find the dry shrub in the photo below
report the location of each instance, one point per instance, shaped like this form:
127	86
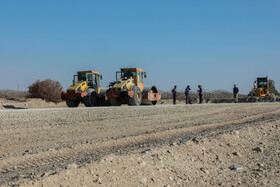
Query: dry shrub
49	90
220	94
272	87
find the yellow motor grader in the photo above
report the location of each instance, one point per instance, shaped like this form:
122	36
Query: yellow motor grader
129	89
85	89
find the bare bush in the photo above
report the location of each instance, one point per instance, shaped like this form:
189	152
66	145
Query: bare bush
49	90
272	87
220	94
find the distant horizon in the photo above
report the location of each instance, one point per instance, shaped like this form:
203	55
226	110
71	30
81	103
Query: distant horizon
171	87
165	91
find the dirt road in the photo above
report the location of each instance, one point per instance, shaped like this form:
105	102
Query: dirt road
36	142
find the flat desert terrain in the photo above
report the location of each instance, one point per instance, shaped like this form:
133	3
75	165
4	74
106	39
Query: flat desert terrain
162	145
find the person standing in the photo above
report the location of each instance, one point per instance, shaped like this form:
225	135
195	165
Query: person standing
174	92
200	93
235	93
187	93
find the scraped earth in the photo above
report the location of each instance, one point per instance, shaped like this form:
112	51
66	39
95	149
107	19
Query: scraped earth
26	103
165	145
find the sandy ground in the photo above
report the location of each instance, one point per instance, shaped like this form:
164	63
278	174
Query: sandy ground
164	145
23	103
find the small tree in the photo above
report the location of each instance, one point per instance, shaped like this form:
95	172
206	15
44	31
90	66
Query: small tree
49	90
272	87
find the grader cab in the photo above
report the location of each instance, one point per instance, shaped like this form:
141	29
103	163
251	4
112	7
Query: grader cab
261	86
129	89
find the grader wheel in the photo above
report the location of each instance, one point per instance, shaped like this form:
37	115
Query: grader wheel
72	103
91	99
136	100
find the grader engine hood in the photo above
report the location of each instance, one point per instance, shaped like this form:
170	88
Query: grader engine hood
78	90
77	87
123	85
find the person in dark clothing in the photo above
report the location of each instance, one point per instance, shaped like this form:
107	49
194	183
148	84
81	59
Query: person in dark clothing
187	93
200	93
235	93
174	92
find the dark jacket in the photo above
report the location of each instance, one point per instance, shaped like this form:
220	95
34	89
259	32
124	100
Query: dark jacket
174	92
187	91
200	91
235	90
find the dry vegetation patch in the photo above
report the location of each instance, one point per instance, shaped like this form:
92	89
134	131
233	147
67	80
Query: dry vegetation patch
14	95
49	90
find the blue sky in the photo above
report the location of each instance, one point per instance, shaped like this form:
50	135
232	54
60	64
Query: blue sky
214	43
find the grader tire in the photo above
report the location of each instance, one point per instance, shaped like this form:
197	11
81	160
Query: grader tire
90	100
72	103
114	102
136	100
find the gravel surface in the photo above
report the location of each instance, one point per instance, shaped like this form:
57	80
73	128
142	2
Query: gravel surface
147	145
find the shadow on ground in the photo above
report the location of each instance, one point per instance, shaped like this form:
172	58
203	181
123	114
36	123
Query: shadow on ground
12	107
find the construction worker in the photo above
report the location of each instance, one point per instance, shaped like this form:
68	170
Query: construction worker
235	93
174	92
200	93
187	93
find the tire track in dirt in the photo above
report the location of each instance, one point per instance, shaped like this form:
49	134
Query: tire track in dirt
10	166
150	118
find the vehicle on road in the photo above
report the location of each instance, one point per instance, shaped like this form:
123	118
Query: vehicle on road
129	89
85	89
261	87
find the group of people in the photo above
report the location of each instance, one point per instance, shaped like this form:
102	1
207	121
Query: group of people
200	94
